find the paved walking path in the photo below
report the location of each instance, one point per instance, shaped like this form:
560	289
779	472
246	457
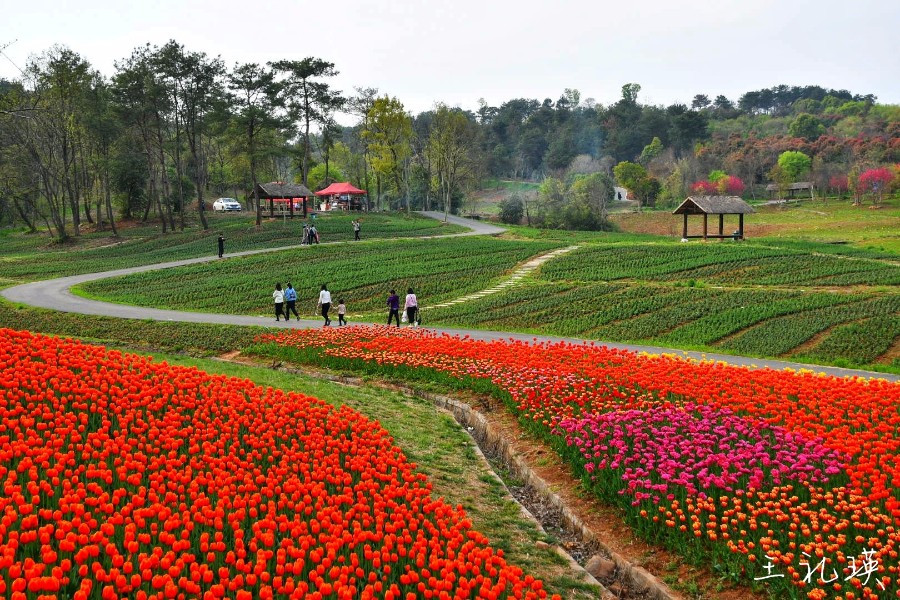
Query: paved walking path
514	279
55	294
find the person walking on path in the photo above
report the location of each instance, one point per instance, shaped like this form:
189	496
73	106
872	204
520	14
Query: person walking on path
278	295
356	230
305	239
290	298
412	307
221	245
325	303
393	303
313	234
342	310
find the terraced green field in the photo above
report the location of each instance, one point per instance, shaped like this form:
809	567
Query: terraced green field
724	264
360	273
749	299
805	300
31	257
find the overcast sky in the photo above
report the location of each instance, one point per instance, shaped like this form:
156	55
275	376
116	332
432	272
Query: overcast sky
424	51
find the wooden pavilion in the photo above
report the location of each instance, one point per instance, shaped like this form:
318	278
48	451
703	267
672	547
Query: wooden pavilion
795	187
714	205
288	197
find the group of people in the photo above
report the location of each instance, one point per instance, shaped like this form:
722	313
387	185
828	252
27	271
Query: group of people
286	303
310	235
410	308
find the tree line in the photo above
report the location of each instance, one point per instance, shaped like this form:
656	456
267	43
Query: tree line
173	127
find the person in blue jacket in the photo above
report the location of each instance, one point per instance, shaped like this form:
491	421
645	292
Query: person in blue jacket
290	298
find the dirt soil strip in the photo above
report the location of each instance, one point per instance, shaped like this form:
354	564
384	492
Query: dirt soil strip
556	507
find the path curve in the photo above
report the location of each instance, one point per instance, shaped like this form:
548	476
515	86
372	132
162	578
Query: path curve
56	294
514	278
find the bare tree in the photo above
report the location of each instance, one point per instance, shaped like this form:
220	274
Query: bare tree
449	146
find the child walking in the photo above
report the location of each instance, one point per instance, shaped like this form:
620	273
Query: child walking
342	310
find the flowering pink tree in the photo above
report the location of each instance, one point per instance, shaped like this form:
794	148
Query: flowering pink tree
876	181
839	184
724	184
705	188
730	184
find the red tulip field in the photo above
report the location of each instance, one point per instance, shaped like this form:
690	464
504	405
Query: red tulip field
787	481
123	477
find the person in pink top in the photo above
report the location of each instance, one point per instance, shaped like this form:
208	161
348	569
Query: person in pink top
412	306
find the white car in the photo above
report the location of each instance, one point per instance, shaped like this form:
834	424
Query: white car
226	205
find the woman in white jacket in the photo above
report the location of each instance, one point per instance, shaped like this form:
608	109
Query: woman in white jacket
325	303
412	307
278	296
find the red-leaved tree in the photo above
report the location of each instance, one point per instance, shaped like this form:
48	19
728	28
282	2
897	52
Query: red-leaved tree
839	184
731	184
877	181
705	188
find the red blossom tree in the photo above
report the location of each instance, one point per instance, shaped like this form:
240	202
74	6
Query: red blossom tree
876	181
705	188
731	184
839	184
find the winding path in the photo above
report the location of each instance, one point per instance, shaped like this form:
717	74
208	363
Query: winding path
55	294
514	279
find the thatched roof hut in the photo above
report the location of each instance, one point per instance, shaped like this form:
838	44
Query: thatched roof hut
288	193
714	205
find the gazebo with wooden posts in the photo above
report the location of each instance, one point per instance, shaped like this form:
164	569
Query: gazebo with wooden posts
714	205
288	196
797	186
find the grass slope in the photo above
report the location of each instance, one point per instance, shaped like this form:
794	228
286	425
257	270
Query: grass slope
831	221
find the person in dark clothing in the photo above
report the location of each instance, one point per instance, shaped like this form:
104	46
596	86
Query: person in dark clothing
393	303
290	299
356	230
221	245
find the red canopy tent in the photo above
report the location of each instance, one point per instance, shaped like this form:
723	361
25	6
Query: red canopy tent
341	189
342	194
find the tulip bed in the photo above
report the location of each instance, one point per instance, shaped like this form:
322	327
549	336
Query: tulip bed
128	478
725	464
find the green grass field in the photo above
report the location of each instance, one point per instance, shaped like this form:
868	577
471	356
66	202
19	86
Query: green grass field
832	221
